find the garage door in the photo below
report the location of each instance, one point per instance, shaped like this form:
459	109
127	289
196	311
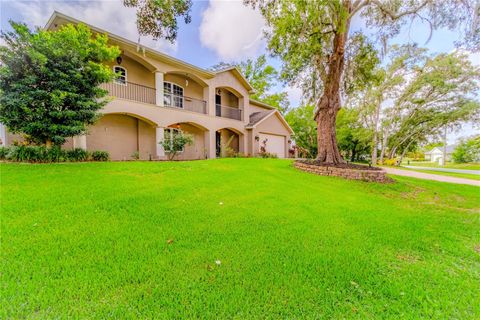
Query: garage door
275	144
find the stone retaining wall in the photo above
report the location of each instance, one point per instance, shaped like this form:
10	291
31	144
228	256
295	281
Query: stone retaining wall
354	174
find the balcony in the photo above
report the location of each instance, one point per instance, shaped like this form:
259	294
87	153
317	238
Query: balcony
141	93
185	103
130	91
228	112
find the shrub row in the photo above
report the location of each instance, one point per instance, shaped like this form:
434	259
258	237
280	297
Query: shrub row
41	154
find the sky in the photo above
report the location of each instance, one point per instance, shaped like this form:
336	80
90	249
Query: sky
221	30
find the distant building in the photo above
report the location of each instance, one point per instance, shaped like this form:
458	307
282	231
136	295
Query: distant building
436	154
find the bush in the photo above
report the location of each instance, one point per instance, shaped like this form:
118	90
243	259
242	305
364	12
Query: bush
100	155
41	154
31	154
390	162
77	154
268	155
4	152
467	151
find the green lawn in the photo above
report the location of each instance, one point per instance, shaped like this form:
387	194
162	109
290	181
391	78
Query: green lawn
141	240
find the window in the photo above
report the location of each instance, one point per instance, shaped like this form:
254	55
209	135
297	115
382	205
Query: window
169	134
120	75
173	95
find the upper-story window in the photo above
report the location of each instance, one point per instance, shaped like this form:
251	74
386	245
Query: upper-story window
120	75
173	95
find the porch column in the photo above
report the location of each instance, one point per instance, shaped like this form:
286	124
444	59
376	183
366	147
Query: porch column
242	143
159	88
3	135
159	135
210	144
80	142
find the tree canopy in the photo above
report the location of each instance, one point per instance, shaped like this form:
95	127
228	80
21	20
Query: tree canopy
312	38
159	19
49	81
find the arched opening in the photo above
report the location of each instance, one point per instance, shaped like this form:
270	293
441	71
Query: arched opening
228	103
124	137
184	91
227	142
198	149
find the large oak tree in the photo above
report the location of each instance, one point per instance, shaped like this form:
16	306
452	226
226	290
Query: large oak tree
312	39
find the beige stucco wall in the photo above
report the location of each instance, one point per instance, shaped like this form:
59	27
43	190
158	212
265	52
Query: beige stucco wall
192	90
136	72
122	136
271	125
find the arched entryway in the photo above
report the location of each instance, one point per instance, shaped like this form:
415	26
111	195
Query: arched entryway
198	149
227	142
124	136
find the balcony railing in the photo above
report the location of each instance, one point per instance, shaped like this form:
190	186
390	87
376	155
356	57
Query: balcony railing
228	112
141	93
130	91
183	102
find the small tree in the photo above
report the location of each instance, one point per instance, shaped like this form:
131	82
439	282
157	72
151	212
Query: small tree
49	81
467	151
175	143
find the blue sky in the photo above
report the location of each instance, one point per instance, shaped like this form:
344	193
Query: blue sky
219	31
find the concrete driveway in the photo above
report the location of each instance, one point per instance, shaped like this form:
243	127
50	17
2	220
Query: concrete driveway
430	176
475	172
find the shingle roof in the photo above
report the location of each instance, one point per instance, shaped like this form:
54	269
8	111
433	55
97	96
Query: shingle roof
257	116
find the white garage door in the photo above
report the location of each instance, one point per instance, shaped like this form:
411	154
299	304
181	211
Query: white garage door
275	144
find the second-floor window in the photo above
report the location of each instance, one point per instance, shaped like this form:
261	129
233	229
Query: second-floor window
173	95
120	75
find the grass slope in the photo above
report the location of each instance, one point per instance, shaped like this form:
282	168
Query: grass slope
90	240
448	165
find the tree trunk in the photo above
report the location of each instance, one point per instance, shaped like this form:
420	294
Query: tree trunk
384	147
375	135
404	153
329	104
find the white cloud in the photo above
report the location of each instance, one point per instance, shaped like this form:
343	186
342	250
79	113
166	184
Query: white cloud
231	29
109	15
295	95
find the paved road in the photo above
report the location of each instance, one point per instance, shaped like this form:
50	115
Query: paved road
476	172
431	176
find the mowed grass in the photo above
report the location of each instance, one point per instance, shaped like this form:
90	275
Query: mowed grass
470	176
448	165
141	240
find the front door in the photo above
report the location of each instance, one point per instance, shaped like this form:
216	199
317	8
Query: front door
217	143
218	105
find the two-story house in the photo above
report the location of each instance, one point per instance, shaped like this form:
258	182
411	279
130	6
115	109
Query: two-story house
156	94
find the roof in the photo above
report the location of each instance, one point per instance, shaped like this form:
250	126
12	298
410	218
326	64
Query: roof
156	54
239	76
261	104
258	117
450	149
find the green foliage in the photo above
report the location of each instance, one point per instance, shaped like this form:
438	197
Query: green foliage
263	77
159	18
100	155
268	155
305	130
42	154
468	150
4	152
354	140
77	154
28	153
176	142
49	81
